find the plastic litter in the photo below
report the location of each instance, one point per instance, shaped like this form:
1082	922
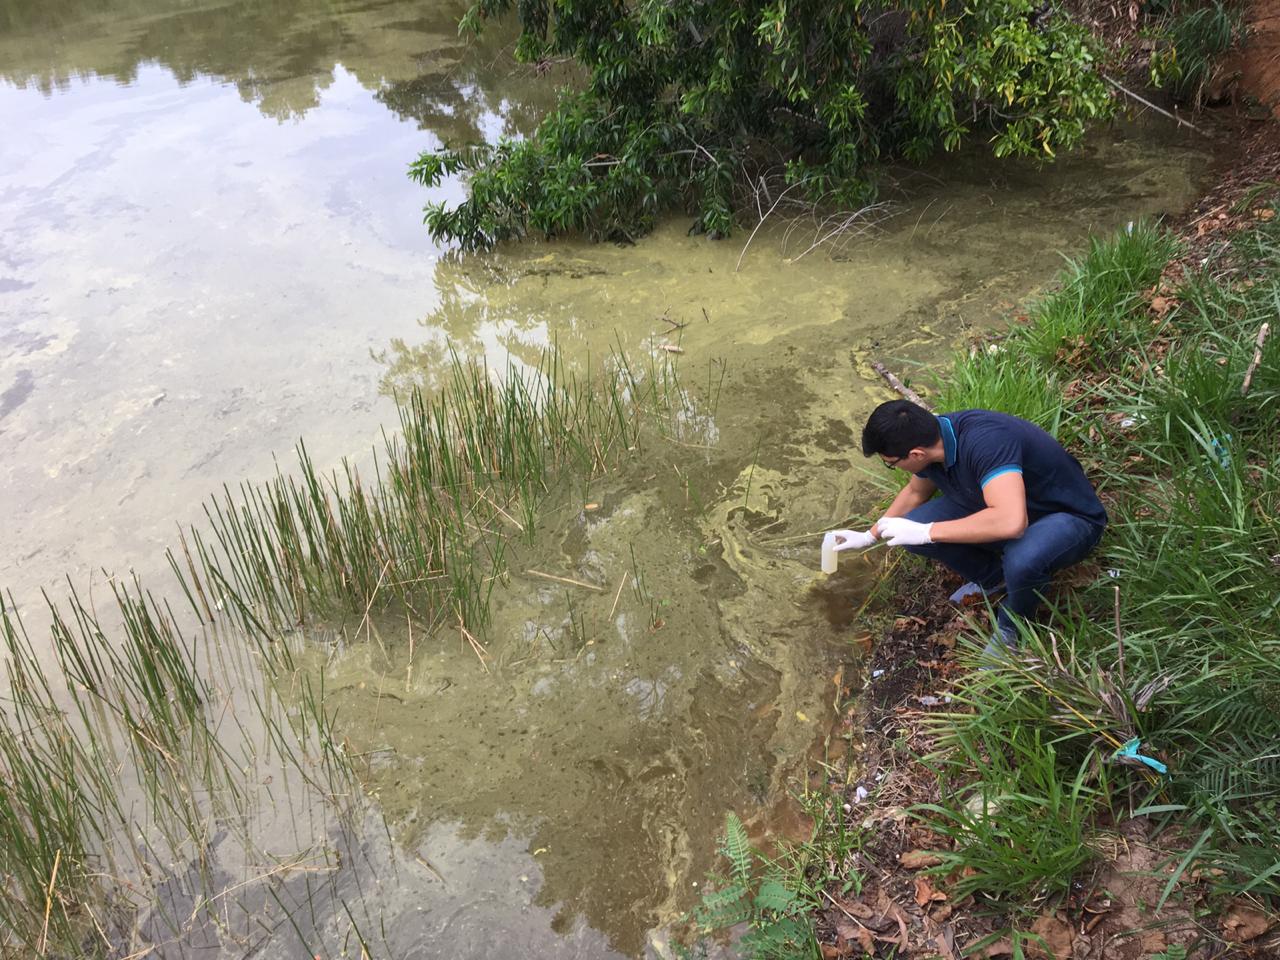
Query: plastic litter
1220	452
1130	752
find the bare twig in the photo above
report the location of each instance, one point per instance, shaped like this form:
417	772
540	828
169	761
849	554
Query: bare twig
48	901
293	865
501	511
408	673
1119	637
844	222
1257	359
427	863
921	217
373	596
898	385
476	646
621	584
1147	103
576	583
760	222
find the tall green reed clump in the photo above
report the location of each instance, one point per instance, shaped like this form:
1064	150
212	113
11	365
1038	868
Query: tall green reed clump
466	471
116	763
1179	647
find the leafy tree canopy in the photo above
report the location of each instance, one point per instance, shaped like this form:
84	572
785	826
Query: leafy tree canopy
684	97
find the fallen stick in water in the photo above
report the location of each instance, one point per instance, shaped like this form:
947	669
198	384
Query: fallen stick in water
576	583
1147	103
898	385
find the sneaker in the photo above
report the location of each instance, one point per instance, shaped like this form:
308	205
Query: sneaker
972	589
999	649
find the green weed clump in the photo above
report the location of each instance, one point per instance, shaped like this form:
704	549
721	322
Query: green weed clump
1175	643
1075	328
465	473
1198	38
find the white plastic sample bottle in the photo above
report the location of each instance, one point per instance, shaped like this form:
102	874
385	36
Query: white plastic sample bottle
829	553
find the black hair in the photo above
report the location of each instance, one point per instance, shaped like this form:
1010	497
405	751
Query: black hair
897	427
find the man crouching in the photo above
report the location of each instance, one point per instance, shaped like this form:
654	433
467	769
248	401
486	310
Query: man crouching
1015	507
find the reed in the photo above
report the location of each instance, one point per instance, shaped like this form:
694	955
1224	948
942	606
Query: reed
468	466
114	763
113	767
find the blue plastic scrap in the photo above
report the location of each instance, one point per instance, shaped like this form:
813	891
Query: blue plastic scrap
1220	451
1130	751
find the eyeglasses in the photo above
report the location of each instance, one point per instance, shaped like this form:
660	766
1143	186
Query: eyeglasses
891	464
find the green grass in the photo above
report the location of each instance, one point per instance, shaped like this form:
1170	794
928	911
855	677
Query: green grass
1199	37
1181	648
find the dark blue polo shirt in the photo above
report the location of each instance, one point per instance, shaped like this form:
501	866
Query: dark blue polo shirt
980	445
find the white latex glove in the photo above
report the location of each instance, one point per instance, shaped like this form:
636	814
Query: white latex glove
901	532
853	539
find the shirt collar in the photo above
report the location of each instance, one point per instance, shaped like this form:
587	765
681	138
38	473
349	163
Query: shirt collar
948	442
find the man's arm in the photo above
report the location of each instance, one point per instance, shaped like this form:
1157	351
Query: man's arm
1005	516
917	491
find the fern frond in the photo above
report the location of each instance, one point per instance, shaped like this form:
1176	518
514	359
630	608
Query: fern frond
723	908
787	939
737	849
774	895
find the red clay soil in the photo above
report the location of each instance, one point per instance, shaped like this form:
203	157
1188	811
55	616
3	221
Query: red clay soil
1259	65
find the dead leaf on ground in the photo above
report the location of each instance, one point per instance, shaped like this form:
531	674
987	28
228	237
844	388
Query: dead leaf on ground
856	909
1057	936
1162	305
1244	923
888	907
831	952
917	859
1264	213
945	941
1001	948
850	932
926	892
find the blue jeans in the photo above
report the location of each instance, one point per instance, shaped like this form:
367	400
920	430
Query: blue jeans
1025	565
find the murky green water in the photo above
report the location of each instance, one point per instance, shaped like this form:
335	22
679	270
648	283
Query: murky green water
208	248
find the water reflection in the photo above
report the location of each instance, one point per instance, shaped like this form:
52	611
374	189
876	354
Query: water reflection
281	56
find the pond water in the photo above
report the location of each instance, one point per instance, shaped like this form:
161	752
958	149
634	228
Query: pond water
209	248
